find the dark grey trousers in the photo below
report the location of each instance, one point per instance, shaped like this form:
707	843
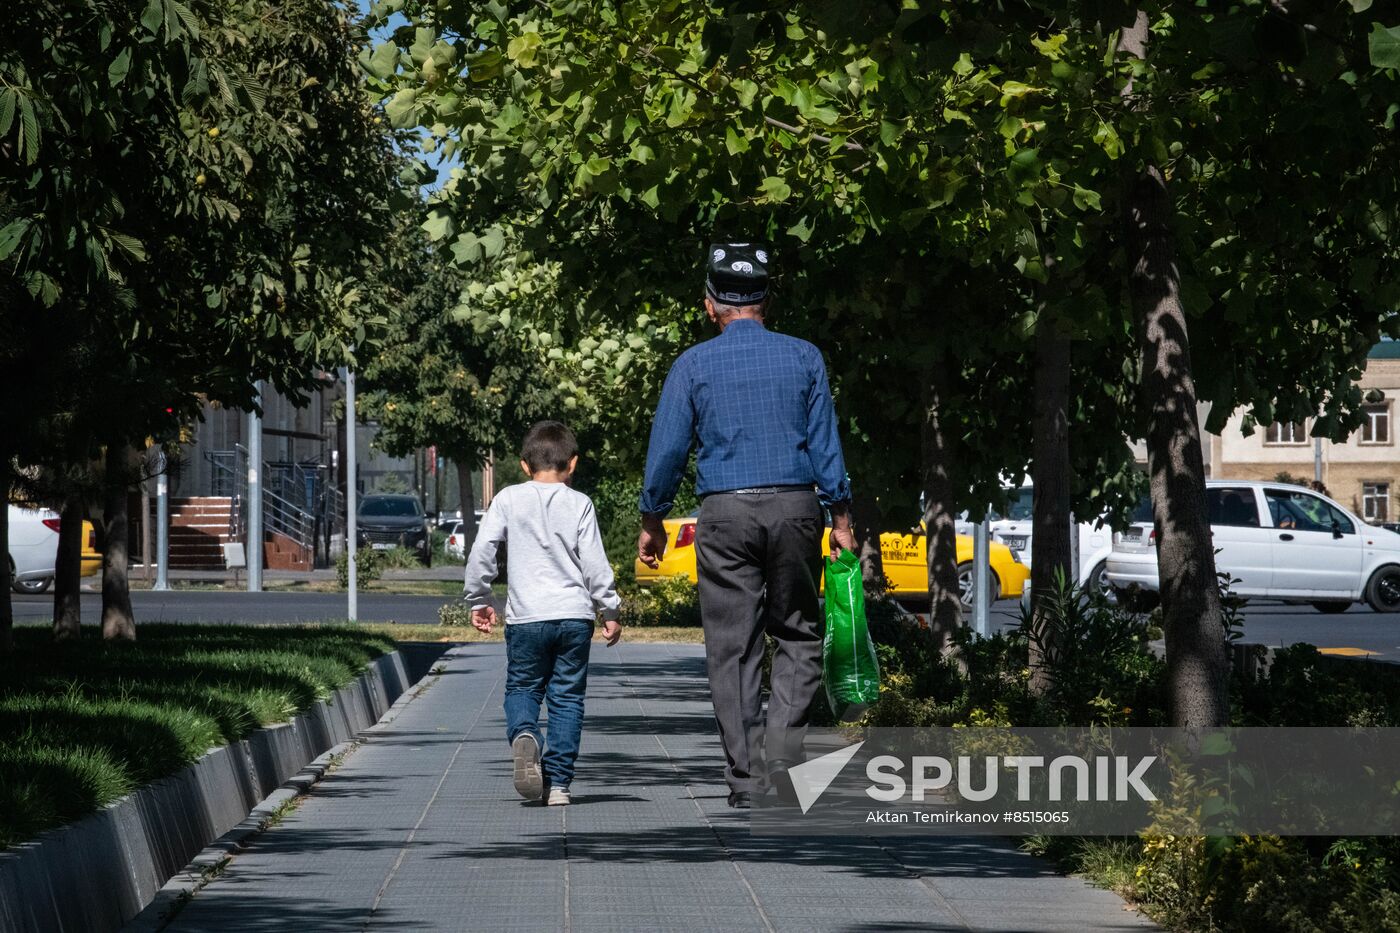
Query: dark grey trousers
759	560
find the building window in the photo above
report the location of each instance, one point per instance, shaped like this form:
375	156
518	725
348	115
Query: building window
1295	432
1375	428
1375	502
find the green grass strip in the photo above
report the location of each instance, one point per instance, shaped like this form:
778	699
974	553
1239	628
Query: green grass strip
83	723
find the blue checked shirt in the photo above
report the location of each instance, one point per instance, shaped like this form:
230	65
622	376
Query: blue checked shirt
757	407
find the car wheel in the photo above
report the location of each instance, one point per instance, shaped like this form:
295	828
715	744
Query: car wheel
1383	592
32	587
1331	608
1098	579
965	584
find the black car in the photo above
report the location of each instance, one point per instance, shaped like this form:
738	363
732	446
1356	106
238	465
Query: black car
385	521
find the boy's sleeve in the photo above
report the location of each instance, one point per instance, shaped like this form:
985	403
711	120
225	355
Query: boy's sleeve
597	572
482	565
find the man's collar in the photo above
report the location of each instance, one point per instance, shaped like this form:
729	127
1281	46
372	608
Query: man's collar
743	322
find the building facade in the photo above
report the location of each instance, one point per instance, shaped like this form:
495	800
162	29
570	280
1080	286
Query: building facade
1362	472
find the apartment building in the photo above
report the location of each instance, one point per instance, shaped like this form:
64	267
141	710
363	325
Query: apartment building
1362	472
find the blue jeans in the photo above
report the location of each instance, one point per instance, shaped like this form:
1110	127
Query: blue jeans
548	662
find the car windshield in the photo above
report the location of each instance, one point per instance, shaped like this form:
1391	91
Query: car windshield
1142	514
1020	506
388	507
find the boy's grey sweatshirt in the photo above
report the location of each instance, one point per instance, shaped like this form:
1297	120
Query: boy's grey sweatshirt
556	565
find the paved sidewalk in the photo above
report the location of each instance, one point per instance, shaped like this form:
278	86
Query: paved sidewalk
421	830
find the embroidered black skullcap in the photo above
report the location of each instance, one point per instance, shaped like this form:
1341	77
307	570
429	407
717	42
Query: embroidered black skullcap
737	273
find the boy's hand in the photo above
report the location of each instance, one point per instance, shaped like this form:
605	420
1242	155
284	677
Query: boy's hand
483	618
612	632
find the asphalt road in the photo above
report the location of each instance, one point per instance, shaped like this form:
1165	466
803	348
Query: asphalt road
1357	631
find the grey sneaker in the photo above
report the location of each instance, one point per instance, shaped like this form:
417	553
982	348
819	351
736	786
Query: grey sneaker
529	782
558	797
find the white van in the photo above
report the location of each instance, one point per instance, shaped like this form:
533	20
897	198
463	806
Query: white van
1280	542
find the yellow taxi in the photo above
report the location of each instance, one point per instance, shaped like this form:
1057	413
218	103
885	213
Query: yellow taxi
905	557
92	557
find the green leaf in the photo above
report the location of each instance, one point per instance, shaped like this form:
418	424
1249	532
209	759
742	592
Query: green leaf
802	229
29	131
12	235
154	17
492	242
7	110
1107	137
523	49
1084	199
117	71
747	91
439	225
1015	90
402	109
1360	6
1384	44
733	142
775	189
384	61
486	65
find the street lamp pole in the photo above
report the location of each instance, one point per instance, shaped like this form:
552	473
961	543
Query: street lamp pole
981	576
162	526
255	498
351	505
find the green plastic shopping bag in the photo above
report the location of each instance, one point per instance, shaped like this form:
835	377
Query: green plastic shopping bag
849	667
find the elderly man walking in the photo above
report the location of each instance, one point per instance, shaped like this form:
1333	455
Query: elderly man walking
757	407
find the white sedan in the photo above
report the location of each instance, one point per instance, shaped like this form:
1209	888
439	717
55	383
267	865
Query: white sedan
33	548
1279	541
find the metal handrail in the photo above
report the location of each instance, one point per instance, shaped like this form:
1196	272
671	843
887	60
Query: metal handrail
279	513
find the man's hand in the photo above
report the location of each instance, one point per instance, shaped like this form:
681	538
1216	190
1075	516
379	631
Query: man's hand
483	618
842	537
651	544
612	632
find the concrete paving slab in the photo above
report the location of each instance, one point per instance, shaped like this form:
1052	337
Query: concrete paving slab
419	829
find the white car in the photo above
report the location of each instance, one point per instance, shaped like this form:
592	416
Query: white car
1279	542
33	548
1015	530
456	541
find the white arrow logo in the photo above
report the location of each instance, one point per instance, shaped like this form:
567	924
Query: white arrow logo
811	778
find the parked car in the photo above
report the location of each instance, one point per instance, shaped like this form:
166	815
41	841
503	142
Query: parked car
456	542
1281	542
386	521
905	558
1014	529
34	549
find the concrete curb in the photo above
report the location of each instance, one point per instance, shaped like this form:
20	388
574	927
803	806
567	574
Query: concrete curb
97	874
210	863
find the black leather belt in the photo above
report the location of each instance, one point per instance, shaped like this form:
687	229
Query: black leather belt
761	490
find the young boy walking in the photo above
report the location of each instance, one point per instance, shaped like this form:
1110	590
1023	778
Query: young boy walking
559	580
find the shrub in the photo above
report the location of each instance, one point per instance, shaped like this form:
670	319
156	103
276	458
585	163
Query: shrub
369	564
455	614
667	602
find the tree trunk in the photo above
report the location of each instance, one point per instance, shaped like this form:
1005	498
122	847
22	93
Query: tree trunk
1050	560
940	515
1198	660
468	497
7	612
67	576
868	520
118	623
